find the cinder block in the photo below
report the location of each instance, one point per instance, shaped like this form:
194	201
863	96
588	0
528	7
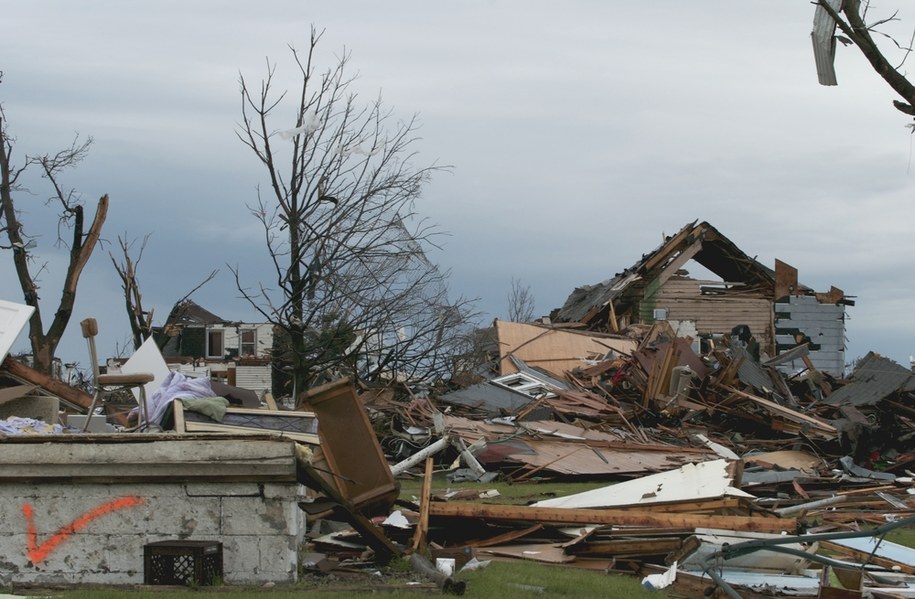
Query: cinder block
256	559
184	517
284	491
256	516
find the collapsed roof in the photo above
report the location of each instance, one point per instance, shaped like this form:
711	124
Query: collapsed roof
781	312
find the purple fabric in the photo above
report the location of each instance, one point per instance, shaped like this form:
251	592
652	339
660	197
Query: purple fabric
176	386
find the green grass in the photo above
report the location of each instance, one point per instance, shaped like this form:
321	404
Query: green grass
518	493
521	579
903	536
501	580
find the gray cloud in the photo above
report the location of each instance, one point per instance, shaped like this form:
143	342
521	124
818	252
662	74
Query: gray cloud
579	133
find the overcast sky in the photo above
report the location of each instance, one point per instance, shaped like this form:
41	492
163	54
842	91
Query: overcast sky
579	133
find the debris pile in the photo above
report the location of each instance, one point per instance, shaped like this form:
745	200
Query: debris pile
723	470
730	453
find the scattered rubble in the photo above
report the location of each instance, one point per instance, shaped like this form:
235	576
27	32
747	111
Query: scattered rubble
735	455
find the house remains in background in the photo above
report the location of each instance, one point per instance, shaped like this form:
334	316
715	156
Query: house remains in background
238	351
781	313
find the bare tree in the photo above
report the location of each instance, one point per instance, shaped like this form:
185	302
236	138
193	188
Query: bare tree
353	288
71	217
141	321
520	302
850	16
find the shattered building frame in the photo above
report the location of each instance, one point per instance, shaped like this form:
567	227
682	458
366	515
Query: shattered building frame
781	313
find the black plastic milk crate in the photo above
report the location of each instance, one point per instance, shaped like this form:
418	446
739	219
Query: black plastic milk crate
191	563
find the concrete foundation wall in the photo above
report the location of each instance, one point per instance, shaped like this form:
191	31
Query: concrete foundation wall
93	533
81	510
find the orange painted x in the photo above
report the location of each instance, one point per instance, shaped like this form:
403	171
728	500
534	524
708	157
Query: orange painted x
38	553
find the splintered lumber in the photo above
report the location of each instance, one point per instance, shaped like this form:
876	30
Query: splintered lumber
503	538
419	537
810	424
69	394
546	515
628	547
343	509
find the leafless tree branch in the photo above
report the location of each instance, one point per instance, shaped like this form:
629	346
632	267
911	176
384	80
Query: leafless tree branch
83	240
355	290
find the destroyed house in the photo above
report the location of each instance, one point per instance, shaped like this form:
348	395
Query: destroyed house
237	350
781	313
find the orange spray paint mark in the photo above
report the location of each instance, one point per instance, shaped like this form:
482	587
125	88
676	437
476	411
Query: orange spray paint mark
39	553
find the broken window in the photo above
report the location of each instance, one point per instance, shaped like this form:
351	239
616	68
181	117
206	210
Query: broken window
248	343
524	384
215	344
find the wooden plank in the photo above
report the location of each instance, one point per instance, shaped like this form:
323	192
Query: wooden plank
66	392
507	537
709	505
270	401
671	244
610	517
419	536
787	413
682	258
537	552
630	547
345	511
785	279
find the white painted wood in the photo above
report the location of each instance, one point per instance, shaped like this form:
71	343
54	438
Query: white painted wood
692	482
12	319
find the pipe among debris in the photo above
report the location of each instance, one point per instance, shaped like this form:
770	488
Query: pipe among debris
446	583
467	455
803	507
419	456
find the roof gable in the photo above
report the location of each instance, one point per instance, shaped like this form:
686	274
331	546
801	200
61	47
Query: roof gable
700	242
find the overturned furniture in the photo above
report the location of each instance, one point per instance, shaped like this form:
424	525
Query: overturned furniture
111	384
349	457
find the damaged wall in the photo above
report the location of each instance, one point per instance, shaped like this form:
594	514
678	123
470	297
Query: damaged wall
713	314
822	323
81	512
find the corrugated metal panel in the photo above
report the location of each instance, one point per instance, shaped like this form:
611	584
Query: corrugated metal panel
875	378
824	42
